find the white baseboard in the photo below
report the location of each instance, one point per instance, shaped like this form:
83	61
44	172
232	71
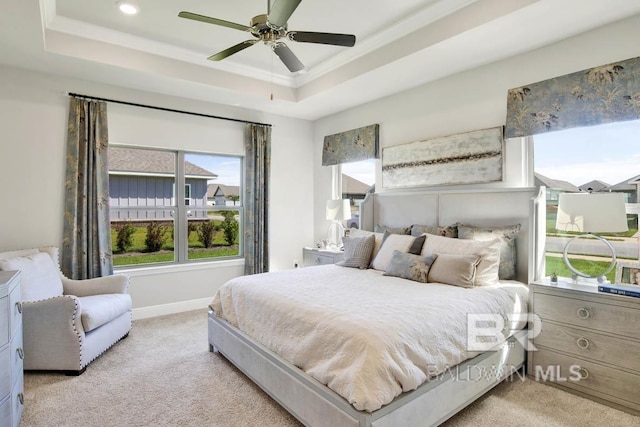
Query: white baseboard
171	308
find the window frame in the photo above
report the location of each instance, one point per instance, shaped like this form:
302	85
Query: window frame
180	210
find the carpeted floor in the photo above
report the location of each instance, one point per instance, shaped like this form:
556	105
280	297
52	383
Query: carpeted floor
164	375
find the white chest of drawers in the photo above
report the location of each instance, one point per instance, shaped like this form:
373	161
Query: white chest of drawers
11	354
589	343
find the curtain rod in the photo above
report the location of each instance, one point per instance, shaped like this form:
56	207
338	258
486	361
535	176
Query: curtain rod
95	98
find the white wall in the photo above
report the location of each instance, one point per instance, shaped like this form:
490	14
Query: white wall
471	100
33	117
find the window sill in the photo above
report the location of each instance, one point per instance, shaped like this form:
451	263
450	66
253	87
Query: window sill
176	268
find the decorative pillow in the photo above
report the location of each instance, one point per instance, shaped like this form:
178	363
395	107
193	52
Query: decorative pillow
489	251
355	232
507	236
393	230
456	270
450	231
409	266
357	251
40	278
393	242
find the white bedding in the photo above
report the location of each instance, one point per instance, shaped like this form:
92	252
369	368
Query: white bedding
366	336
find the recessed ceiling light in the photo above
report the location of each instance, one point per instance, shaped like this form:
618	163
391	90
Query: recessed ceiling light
127	8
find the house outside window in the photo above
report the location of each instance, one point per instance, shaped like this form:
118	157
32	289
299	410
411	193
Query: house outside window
151	226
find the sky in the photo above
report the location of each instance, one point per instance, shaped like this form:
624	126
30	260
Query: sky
226	167
609	153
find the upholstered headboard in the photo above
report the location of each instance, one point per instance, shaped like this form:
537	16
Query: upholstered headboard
482	208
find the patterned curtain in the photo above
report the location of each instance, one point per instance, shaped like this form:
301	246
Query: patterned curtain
351	146
86	245
606	94
256	218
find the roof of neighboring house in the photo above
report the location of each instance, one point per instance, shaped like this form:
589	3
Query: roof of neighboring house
353	186
151	162
214	190
595	185
626	185
555	184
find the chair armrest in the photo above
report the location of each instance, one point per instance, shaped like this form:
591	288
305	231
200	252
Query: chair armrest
116	284
53	316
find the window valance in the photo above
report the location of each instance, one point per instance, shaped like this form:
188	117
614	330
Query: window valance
605	94
351	146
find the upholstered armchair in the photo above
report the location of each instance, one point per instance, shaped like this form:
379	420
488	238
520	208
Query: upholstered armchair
66	323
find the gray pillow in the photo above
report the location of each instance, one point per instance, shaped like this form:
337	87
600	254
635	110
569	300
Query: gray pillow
506	235
453	269
357	251
450	231
409	266
392	230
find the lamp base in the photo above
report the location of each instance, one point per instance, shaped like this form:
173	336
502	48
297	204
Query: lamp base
577	273
334	235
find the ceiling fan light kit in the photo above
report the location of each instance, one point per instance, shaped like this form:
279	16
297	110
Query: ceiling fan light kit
270	29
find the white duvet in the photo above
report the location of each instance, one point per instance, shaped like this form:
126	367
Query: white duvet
366	336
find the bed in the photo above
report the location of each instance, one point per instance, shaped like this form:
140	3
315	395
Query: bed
304	363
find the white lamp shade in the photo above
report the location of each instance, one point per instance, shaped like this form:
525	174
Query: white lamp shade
592	213
338	209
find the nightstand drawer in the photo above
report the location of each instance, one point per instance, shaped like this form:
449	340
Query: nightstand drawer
317	259
591	345
609	318
598	380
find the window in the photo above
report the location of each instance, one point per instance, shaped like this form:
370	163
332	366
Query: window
150	225
599	158
187	194
357	179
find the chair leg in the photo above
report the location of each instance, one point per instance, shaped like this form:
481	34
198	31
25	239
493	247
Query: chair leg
75	373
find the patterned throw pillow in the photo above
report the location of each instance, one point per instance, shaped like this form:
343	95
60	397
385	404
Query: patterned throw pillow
357	251
409	266
392	230
506	235
450	231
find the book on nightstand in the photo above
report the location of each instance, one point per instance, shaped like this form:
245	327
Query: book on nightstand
629	291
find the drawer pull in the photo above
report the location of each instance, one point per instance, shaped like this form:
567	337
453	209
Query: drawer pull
21	398
20	353
583	313
19	307
583	343
584	374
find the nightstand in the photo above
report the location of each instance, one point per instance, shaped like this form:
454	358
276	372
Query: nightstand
313	256
589	343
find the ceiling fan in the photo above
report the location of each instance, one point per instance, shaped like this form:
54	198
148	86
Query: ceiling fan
272	27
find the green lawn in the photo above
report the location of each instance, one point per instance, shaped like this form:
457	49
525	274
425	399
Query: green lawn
556	265
138	254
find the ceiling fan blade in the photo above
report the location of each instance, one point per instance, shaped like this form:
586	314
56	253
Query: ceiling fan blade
209	20
281	11
288	58
233	49
322	38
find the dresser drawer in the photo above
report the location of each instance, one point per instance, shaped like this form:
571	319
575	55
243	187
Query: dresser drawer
588	314
15	309
591	345
588	377
5	410
5	374
17	402
4	325
17	356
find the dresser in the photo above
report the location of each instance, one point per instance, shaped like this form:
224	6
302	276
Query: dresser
588	344
11	354
313	256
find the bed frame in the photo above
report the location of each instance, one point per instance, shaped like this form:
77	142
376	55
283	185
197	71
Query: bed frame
438	399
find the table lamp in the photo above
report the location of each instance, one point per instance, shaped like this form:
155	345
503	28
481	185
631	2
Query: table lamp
591	213
338	210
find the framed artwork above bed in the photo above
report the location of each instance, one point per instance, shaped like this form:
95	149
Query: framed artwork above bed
464	158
